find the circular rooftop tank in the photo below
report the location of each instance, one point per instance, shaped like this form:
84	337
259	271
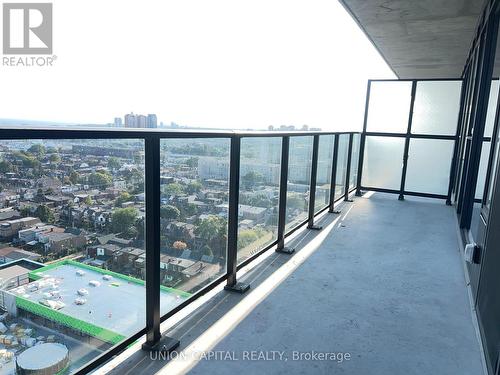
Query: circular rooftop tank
43	359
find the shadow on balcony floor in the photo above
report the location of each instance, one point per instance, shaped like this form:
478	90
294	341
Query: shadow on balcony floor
383	282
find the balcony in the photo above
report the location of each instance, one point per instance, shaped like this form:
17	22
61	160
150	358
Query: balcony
370	285
247	242
357	252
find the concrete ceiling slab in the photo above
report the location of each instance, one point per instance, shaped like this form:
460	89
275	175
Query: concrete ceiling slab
419	38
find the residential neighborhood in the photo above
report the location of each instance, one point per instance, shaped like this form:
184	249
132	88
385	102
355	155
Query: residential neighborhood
71	200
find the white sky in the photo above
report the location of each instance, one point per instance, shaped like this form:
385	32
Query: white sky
216	63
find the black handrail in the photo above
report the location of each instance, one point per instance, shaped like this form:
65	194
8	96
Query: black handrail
151	138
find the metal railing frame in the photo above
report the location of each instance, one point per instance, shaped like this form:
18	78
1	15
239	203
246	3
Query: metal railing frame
152	139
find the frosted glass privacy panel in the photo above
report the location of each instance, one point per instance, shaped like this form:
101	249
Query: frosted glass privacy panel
429	162
389	107
383	162
483	167
492	109
436	107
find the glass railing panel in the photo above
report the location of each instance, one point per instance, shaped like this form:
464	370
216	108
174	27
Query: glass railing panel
299	179
74	210
354	161
341	165
259	194
194	208
324	174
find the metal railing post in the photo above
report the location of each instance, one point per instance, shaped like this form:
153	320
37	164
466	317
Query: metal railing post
285	147
333	179
363	140
312	186
348	168
232	229
154	340
407	142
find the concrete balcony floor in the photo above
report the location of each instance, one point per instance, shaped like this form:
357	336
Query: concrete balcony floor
383	281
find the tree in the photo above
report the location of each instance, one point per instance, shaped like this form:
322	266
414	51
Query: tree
6	166
137	188
130	232
169	212
27	161
174	189
189	209
25	211
206	250
133	176
37	149
45	214
213	230
88	201
246	237
293	201
123	218
194	187
257	200
192	162
54	158
179	245
100	179
252	178
122	198
74	177
113	163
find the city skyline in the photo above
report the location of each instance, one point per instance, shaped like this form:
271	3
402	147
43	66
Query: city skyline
307	66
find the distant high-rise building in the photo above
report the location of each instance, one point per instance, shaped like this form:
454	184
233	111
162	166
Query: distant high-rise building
130	120
152	121
141	121
118	122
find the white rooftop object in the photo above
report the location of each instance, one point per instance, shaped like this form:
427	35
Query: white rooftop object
55	305
43	359
82	291
80	301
